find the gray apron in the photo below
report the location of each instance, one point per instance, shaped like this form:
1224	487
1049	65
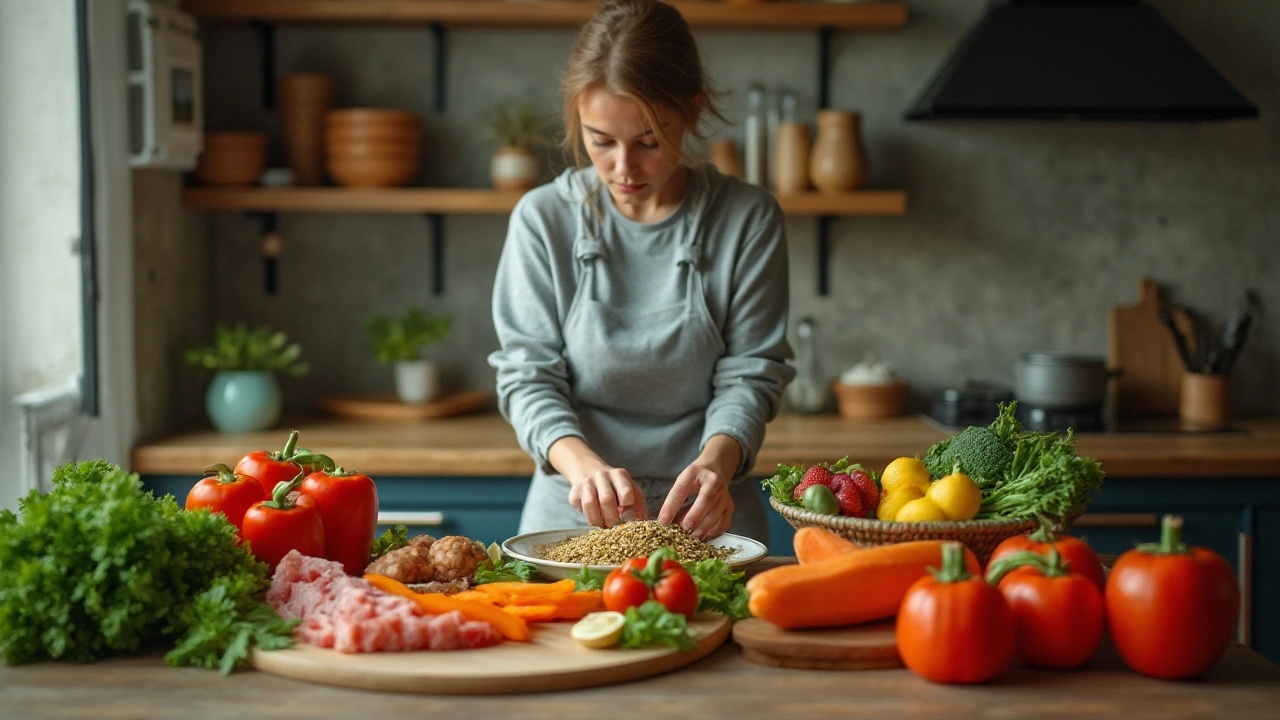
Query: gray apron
641	381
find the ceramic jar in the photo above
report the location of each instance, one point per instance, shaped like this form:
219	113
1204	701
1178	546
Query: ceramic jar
791	159
838	162
243	400
304	100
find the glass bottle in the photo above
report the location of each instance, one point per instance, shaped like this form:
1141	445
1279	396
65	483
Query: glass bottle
807	393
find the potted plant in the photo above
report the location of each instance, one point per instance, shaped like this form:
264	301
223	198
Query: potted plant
400	341
244	395
516	128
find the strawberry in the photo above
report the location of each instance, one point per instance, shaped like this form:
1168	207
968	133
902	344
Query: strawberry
839	481
850	500
816	475
867	489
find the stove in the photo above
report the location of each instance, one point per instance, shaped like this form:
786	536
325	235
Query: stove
1089	420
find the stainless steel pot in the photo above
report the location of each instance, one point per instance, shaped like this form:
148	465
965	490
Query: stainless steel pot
1061	380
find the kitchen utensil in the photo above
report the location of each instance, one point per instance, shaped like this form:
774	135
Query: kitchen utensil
1236	332
974	403
525	547
1061	380
1206	401
1179	340
551	661
1139	343
388	407
870	646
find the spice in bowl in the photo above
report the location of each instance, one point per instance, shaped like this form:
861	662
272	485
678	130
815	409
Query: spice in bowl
616	545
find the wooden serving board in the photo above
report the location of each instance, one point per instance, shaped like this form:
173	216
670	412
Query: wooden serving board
871	646
552	661
1141	346
386	407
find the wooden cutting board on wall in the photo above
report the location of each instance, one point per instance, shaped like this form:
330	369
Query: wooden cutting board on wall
1141	346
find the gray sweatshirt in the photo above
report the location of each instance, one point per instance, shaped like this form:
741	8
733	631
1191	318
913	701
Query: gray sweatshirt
650	417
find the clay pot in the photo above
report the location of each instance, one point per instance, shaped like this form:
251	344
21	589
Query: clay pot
304	100
839	162
232	159
791	159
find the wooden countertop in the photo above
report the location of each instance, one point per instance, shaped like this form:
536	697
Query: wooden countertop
484	445
1241	685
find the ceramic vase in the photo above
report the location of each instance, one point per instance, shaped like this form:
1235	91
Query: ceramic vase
417	381
304	100
838	163
514	168
791	159
243	401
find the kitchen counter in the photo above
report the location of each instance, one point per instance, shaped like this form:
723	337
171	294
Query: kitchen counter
484	445
1241	685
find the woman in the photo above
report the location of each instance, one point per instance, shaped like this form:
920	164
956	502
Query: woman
641	303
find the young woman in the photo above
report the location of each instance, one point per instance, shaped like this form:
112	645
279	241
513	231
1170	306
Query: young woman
641	303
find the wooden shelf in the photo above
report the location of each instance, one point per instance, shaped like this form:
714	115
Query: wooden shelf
463	201
552	13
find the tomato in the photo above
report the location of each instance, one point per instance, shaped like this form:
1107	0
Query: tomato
953	627
1172	609
349	508
276	526
1076	553
272	468
658	577
223	491
1059	614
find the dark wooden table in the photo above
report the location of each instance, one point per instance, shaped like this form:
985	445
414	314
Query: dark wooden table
723	685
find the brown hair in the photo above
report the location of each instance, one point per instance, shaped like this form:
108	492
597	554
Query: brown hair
641	50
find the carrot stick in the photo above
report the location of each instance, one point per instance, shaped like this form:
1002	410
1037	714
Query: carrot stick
511	627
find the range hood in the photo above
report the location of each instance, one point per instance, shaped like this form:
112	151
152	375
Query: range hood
1096	60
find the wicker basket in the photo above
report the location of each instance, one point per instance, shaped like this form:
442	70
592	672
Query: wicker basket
980	536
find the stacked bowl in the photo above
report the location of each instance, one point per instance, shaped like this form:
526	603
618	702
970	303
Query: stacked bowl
232	158
372	147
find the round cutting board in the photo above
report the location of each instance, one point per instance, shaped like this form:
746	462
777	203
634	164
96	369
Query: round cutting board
870	646
551	661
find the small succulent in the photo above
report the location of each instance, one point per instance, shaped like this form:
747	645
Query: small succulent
403	338
246	349
519	124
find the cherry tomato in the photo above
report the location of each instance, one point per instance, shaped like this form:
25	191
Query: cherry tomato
1080	558
953	627
223	491
1172	609
349	507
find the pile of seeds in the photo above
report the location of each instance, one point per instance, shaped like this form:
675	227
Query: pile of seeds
616	545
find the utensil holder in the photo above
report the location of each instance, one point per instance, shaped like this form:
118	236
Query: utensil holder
1205	402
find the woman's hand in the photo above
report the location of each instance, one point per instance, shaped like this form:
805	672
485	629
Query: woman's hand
605	495
602	492
712	510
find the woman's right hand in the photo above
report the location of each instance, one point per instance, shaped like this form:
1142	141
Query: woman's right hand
605	495
602	492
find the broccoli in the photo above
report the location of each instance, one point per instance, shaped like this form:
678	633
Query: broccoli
983	453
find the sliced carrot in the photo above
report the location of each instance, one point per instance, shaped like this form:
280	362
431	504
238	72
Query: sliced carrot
530	590
511	626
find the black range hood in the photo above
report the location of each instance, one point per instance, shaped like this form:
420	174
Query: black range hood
1098	60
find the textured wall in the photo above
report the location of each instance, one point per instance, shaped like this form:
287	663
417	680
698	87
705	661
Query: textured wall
1019	235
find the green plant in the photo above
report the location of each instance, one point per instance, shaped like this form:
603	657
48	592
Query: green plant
243	348
519	124
394	339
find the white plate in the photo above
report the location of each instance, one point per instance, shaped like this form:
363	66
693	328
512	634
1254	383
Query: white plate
521	547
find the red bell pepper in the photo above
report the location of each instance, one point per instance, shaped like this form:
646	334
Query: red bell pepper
273	468
349	506
225	491
276	526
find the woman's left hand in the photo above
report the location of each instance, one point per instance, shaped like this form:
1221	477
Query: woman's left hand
712	511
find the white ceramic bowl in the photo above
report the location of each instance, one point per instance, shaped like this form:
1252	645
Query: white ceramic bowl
522	547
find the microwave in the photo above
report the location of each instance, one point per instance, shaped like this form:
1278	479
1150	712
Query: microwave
166	107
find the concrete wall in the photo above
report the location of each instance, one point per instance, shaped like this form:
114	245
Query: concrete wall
1020	236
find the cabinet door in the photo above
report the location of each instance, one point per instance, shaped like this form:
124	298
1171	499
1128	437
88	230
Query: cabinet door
1112	532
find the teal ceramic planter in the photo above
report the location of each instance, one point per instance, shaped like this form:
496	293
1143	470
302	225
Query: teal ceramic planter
243	401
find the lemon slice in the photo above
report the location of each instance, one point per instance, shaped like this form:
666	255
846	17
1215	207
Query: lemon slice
599	629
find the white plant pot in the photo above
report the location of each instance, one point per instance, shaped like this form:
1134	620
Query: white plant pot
514	168
417	381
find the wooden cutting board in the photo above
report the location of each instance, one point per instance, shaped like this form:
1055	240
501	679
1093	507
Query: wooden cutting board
871	646
1141	346
552	661
387	407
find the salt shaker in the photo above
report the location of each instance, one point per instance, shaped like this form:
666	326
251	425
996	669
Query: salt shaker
754	145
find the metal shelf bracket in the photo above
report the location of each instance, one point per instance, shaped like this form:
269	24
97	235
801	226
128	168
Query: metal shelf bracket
439	36
824	248
825	33
267	48
435	222
272	247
